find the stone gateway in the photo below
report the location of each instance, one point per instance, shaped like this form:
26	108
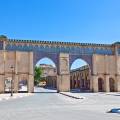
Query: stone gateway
103	61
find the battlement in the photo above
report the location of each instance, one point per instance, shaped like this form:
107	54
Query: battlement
4	38
57	43
57	47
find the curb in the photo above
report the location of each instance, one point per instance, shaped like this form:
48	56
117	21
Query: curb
71	96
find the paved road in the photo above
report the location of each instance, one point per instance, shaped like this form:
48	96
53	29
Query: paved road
53	106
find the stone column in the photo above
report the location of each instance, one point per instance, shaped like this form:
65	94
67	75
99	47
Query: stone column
31	74
72	83
2	84
16	83
117	83
94	74
76	82
54	82
30	84
63	80
2	71
64	83
91	83
106	85
95	83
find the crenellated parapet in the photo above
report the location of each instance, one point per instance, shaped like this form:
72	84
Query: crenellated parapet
57	47
57	43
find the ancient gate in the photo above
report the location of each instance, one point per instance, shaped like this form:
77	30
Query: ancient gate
98	57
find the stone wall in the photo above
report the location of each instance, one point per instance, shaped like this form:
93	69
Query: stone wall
23	68
106	67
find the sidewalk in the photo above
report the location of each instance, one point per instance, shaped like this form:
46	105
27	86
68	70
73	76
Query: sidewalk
15	96
73	95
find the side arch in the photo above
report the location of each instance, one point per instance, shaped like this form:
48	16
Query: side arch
86	58
112	84
84	73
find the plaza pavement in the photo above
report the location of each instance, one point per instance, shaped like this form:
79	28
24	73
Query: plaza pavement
8	96
54	106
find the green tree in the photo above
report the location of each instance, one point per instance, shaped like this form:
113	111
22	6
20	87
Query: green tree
37	75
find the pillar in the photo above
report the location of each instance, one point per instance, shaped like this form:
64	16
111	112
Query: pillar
91	83
63	78
72	83
94	83
117	82
31	75
106	85
94	75
30	84
2	84
16	83
64	83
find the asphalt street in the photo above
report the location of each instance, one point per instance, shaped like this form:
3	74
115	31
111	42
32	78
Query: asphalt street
54	106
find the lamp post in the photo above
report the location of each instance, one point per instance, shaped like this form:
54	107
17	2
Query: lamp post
12	68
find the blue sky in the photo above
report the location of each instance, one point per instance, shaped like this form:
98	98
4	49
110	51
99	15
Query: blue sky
87	21
84	21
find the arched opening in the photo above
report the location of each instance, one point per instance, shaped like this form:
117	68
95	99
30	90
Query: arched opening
48	77
23	83
7	84
80	75
112	85
100	85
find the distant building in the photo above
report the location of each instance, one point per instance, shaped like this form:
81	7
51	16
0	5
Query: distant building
48	70
79	78
49	75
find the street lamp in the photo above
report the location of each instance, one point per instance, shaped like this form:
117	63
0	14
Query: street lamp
12	68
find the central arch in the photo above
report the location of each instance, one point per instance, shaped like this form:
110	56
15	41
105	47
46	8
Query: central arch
39	55
49	74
